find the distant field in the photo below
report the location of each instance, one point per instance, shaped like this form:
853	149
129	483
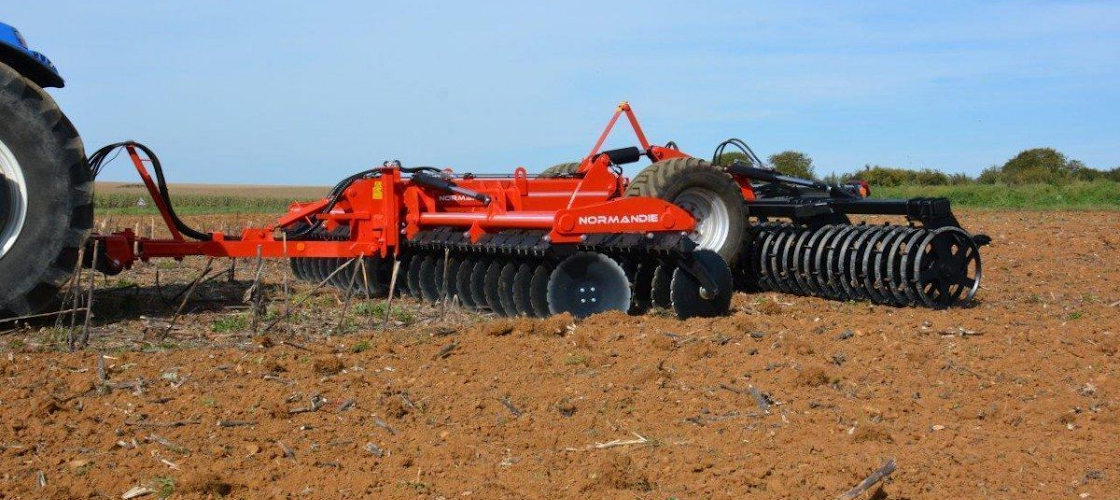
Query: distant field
1077	195
124	198
116	198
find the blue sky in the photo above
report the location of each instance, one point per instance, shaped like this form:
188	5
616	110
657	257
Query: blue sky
297	92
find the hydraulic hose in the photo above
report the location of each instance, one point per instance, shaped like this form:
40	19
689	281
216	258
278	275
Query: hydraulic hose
101	157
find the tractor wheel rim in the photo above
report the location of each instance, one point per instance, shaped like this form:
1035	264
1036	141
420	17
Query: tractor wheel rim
13	199
713	220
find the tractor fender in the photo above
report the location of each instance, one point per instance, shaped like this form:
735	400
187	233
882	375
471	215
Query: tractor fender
34	66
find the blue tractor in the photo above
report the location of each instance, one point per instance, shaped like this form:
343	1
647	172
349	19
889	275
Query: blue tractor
46	187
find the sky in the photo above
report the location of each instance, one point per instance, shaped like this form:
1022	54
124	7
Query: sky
304	93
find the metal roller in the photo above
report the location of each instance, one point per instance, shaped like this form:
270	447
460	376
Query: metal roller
800	273
885	264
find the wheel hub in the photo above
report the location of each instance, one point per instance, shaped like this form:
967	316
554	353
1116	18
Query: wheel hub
713	221
13	199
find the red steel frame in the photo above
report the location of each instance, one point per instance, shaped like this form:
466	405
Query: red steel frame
380	211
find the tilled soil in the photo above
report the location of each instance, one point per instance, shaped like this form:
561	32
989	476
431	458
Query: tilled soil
789	397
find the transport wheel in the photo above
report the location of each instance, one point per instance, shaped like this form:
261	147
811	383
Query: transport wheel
707	192
587	283
561	170
691	300
46	196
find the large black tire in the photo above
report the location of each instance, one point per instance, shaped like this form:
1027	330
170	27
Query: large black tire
687	182
40	254
561	170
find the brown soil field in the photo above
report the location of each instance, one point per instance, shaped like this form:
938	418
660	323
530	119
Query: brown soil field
788	397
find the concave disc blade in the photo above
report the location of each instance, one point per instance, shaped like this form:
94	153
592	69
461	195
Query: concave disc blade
315	270
538	289
431	277
490	286
505	288
463	282
450	276
522	286
414	267
375	280
661	285
297	269
478	283
341	279
691	300
641	289
586	283
402	276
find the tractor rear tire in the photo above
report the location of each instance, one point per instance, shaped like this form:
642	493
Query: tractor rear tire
47	201
561	170
707	192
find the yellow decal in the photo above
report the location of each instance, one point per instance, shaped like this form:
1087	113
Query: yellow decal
377	191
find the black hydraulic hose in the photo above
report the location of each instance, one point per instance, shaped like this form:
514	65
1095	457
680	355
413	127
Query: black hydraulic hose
333	198
777	178
439	183
101	157
336	193
742	146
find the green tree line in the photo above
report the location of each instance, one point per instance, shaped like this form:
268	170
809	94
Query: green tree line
1032	166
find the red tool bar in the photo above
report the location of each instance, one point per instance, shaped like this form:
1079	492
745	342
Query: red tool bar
270	249
519	219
